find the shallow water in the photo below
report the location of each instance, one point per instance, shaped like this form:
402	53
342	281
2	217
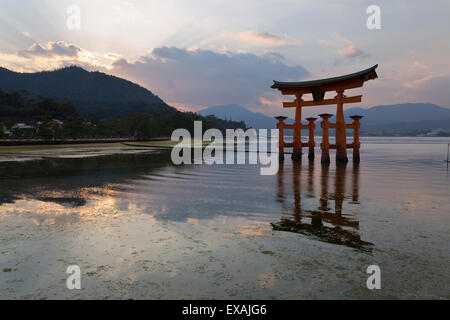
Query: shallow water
140	227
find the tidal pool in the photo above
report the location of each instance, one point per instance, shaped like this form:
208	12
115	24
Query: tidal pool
142	228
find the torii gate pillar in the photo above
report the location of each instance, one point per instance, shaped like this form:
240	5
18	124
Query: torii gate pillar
297	148
341	137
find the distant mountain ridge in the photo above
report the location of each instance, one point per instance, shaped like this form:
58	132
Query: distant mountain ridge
405	112
238	113
107	96
407	118
402	119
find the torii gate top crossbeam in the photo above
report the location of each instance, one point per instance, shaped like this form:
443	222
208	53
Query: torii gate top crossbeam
319	87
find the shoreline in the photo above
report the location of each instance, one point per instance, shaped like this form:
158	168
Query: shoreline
106	141
84	141
40	152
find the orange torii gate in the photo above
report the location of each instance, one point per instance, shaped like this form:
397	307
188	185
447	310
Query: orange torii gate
318	88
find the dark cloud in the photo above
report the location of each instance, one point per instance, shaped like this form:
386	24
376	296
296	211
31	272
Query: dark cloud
205	77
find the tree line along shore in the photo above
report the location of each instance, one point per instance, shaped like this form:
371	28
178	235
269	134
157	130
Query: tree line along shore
26	119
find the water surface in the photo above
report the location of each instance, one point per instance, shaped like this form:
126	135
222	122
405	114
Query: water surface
140	227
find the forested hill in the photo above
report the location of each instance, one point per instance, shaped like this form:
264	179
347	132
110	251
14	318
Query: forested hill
90	92
24	117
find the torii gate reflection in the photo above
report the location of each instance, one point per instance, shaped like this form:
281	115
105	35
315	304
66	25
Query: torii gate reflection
322	224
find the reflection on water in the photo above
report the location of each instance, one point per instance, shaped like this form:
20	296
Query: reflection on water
140	227
70	182
333	227
61	191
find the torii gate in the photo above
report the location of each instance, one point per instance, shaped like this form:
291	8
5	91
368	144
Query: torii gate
318	88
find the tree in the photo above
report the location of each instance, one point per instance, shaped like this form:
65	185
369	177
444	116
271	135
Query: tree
2	128
19	107
145	128
44	130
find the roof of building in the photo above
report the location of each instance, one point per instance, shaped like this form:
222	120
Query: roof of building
363	75
22	126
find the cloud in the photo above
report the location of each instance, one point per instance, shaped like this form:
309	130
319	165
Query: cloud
273	54
343	46
259	39
189	78
420	82
205	77
430	88
350	51
51	49
53	55
417	82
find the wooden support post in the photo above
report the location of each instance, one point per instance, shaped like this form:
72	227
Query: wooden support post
280	126
311	179
341	139
356	144
339	188
280	194
297	151
325	145
324	192
355	182
311	143
296	178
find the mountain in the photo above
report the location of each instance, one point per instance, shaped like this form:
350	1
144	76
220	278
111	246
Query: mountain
406	112
237	113
402	119
105	95
398	119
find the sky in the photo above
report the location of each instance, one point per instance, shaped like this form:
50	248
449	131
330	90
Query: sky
195	54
